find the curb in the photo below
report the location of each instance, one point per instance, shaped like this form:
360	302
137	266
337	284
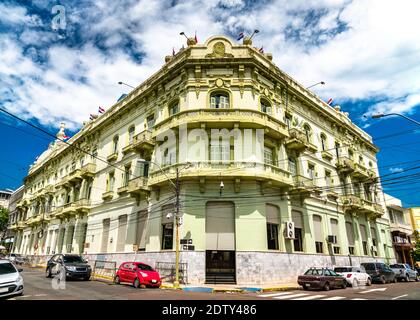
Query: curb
282	288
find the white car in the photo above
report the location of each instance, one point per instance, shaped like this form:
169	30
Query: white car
355	276
11	282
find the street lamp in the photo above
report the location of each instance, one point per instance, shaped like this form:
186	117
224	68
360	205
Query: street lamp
321	82
177	187
381	115
120	82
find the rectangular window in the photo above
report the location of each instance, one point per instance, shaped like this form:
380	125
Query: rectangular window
111	180
150	121
174	109
311	171
336	250
127	174
351	251
167	236
365	248
220	152
288	120
318	247
297	242
328	180
337	149
272	236
292	166
268	156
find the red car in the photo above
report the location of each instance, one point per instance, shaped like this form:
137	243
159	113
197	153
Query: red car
138	274
321	278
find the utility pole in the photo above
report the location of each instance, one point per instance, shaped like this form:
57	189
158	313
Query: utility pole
177	191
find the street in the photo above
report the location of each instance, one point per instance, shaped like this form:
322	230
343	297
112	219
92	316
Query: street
37	287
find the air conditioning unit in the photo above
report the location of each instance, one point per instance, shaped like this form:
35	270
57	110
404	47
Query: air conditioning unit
374	249
290	230
332	239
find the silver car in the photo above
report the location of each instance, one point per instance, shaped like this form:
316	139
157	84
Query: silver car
11	282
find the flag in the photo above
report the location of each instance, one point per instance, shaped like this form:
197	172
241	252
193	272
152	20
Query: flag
329	101
66	137
101	110
173	51
261	49
240	36
195	37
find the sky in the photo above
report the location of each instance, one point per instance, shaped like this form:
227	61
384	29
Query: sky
61	63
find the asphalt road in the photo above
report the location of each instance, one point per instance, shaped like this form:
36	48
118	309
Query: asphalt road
37	287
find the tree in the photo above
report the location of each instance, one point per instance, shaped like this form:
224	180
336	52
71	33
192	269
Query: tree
415	253
4	220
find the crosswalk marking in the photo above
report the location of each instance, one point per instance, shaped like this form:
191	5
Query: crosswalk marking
291	296
310	297
274	294
334	298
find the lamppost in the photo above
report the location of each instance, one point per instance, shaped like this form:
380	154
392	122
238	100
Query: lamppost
123	83
177	188
321	82
381	115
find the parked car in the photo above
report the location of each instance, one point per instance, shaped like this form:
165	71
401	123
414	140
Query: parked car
355	276
138	274
403	271
16	258
379	272
321	278
11	282
71	265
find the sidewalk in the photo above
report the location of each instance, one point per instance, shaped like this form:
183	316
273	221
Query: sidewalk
234	288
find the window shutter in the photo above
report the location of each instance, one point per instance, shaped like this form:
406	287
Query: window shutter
318	228
213	102
220	226
334	227
297	219
350	234
363	232
272	214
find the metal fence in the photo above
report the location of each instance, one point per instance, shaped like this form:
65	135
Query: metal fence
167	271
104	270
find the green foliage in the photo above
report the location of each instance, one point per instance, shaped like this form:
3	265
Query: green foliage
415	253
4	218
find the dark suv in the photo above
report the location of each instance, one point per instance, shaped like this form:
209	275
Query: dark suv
70	265
379	272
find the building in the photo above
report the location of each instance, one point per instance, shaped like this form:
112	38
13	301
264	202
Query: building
400	228
15	197
271	179
415	218
5	197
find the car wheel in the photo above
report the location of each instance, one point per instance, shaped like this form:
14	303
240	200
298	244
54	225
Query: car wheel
407	278
369	282
344	284
417	278
48	273
383	280
117	280
355	283
305	288
86	278
136	283
395	280
326	286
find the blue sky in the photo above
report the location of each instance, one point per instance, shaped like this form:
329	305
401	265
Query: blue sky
367	52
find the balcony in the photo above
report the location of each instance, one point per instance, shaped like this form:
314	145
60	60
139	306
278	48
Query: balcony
64	182
303	185
107	195
138	186
401	228
234	169
69	208
225	118
74	175
361	206
82	205
122	189
298	141
21	225
143	141
326	155
88	170
344	165
361	172
112	157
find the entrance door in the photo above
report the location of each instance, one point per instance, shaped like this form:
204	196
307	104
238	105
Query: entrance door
220	242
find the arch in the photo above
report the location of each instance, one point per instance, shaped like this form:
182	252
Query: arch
115	144
308	131
265	105
220	99
324	141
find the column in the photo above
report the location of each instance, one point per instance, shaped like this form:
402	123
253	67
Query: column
369	237
308	226
342	236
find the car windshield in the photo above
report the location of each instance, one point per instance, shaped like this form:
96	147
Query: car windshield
6	268
342	269
73	259
145	267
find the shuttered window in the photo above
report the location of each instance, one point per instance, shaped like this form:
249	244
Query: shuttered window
273	221
318	228
272	214
350	234
363	232
298	221
122	232
141	229
334	227
220	226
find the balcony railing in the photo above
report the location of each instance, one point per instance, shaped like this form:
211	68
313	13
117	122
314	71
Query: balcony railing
361	172
302	184
253	118
359	205
138	185
112	157
235	169
344	165
107	195
143	141
88	170
298	141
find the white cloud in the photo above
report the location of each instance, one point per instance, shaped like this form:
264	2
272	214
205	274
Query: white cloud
396	170
377	55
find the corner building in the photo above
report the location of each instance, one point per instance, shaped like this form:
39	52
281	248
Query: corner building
286	156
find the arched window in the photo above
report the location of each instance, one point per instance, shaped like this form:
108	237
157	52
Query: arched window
173	108
307	130
265	106
131	132
324	142
115	144
219	100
